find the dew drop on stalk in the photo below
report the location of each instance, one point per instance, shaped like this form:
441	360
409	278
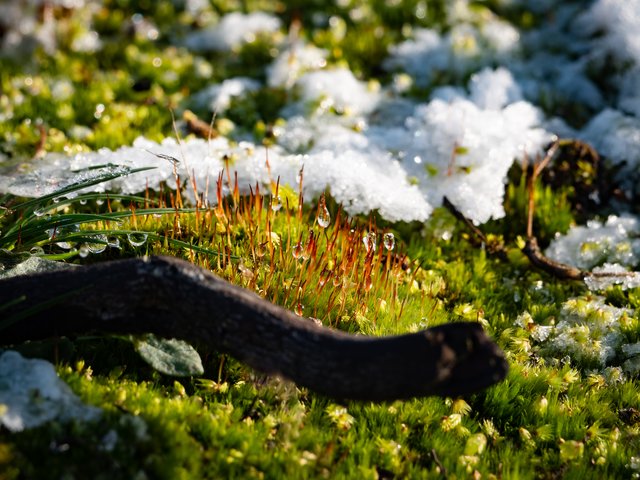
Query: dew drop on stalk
113	242
137	239
99	246
36	251
276	203
369	241
246	273
299	309
84	251
389	241
323	217
82	201
297	250
38	212
99	201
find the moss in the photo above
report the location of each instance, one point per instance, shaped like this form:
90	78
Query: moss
549	416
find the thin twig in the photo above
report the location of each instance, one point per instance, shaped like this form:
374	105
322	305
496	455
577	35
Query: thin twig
434	455
479	234
532	249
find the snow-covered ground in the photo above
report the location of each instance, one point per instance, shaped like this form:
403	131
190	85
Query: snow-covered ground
375	148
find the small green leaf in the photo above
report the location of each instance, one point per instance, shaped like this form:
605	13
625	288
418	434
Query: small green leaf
171	357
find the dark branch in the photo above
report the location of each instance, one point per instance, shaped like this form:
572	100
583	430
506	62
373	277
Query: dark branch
175	299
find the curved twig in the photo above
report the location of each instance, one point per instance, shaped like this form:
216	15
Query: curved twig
175	299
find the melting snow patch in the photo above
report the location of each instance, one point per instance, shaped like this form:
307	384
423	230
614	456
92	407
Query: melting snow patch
32	395
588	246
588	331
611	274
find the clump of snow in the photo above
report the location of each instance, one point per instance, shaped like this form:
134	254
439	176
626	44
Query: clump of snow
616	136
614	241
493	89
217	98
620	21
338	90
462	147
32	395
629	98
292	62
588	331
359	173
233	30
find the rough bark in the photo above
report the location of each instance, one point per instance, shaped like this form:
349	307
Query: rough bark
175	299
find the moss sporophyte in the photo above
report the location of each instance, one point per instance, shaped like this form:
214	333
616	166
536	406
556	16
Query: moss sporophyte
302	152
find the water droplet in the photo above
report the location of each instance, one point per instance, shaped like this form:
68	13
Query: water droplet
84	251
297	250
389	241
369	241
38	212
323	217
136	239
99	202
276	203
113	242
247	274
97	247
58	199
65	245
36	251
417	159
299	309
83	201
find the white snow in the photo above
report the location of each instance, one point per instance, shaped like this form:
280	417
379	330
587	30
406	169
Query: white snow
217	98
462	50
460	147
620	21
587	246
233	30
588	331
292	62
31	395
375	150
337	90
617	136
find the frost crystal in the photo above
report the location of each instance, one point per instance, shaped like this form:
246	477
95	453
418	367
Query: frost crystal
32	395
